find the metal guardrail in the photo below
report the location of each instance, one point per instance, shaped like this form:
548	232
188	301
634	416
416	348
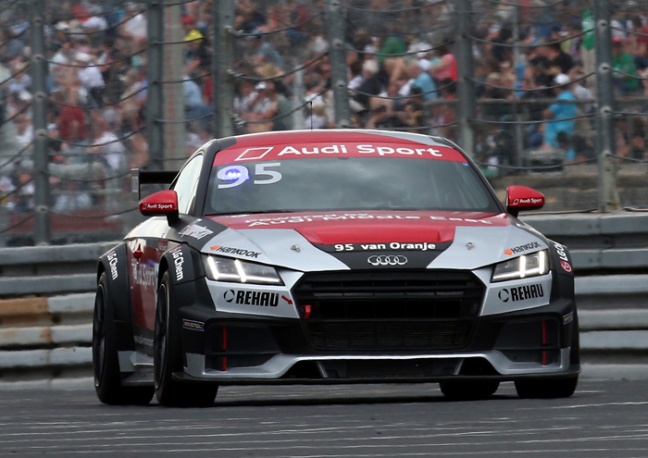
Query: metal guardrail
47	336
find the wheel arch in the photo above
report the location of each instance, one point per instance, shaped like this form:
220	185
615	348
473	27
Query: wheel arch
114	264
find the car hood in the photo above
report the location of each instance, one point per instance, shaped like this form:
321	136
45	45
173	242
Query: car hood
341	240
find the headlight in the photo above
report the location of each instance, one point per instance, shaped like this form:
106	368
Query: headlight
529	265
237	271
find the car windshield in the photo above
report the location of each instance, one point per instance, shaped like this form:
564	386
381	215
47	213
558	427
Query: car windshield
353	183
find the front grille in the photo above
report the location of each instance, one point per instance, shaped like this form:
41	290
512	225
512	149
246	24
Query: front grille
390	310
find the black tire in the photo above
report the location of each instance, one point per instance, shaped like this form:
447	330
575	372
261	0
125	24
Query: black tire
462	390
105	360
167	358
546	388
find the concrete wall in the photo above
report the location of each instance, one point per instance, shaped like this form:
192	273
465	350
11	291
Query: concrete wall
46	301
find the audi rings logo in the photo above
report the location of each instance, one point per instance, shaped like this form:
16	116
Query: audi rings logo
387	260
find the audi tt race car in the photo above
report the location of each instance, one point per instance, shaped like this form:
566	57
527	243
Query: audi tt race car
332	256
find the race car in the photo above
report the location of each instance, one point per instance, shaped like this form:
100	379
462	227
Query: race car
332	256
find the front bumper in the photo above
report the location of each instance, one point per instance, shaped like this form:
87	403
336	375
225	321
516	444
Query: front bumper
243	349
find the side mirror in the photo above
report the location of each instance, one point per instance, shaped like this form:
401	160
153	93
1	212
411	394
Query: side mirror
523	198
161	203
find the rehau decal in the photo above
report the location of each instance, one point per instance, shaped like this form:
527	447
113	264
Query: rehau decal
521	293
258	298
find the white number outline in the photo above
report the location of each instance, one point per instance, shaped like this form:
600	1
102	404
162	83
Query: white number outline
260	171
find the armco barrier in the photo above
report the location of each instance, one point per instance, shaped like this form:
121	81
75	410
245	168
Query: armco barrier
46	301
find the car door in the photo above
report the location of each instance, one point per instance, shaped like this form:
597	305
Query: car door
146	250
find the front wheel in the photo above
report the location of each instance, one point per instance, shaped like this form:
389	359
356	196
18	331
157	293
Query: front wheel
462	390
167	358
546	389
105	359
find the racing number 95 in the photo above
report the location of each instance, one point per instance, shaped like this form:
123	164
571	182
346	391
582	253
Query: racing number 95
235	175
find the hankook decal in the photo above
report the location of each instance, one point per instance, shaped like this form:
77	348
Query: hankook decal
521	248
236	251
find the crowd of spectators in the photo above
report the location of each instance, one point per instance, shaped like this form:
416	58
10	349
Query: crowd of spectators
400	78
402	74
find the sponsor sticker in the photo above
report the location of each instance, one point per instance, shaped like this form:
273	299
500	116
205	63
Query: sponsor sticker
528	201
568	318
400	246
112	262
145	274
351	149
178	261
140	339
236	251
564	259
521	293
195	231
193	325
521	248
256	298
157	206
253	222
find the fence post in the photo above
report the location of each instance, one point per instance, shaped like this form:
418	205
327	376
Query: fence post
42	234
337	54
222	67
606	144
465	72
175	130
154	90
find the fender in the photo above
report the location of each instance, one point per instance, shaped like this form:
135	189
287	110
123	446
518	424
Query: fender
561	258
185	268
115	264
563	283
188	288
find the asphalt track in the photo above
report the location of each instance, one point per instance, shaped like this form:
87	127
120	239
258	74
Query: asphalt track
603	419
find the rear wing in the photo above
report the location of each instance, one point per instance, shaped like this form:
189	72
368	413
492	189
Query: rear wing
140	177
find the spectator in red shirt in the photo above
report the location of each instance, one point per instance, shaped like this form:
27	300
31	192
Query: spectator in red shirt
72	122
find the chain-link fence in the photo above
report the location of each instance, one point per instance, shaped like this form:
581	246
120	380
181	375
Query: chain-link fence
548	93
